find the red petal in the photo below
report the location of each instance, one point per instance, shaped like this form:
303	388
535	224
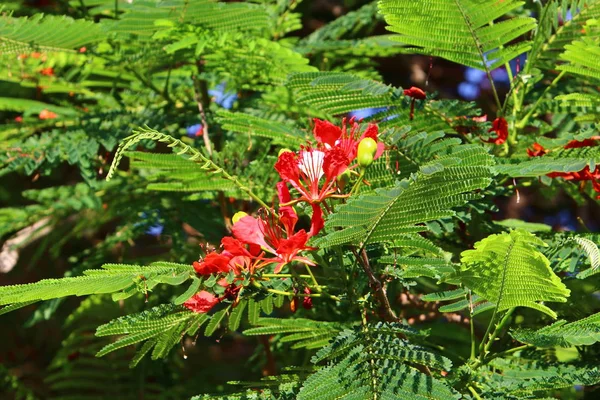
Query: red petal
415	93
250	230
234	246
201	302
288	218
295	243
283	193
584	143
335	163
325	132
500	127
316	223
287	166
213	263
372	131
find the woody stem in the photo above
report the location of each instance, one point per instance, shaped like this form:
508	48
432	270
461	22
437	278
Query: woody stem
376	285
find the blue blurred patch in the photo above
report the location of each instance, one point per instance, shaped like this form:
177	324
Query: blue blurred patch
468	90
474	75
194	130
222	98
365	112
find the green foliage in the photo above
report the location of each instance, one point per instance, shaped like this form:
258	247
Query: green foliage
462	31
110	190
363	365
508	270
583	332
449	180
50	33
112	278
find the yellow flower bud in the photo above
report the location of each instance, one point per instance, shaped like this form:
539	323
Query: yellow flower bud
237	216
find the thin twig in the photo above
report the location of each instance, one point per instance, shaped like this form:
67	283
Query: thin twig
376	285
197	92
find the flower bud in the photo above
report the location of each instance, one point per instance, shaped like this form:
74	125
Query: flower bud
284	150
307	301
237	216
366	151
343	179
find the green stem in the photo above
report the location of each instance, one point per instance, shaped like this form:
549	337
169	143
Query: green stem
281	292
358	182
284	276
498	329
481	55
472	326
474	392
485	345
149	84
312	276
509	351
533	108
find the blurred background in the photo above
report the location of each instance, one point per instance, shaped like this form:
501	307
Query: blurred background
32	343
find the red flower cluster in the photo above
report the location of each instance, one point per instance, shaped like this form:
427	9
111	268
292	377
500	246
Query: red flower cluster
313	171
256	243
272	240
581	176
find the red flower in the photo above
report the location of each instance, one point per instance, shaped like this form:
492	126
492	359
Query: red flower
276	237
304	172
201	302
331	136
45	114
581	176
415	93
213	263
500	127
538	150
47	71
307	301
19	119
593	141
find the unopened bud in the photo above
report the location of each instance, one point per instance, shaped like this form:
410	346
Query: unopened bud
284	150
366	151
237	216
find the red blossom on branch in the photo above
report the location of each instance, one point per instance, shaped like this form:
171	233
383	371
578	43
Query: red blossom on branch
329	136
416	94
201	302
305	171
500	127
580	176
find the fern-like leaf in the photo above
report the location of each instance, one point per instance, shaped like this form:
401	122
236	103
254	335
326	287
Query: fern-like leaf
463	31
508	270
51	33
445	182
583	332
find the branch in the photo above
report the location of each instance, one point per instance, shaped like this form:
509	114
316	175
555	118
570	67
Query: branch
376	286
200	88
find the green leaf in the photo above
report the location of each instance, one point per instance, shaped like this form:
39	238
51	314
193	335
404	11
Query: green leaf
190	291
582	332
50	33
507	269
215	321
236	315
467	32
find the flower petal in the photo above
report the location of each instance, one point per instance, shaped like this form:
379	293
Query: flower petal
201	302
325	132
